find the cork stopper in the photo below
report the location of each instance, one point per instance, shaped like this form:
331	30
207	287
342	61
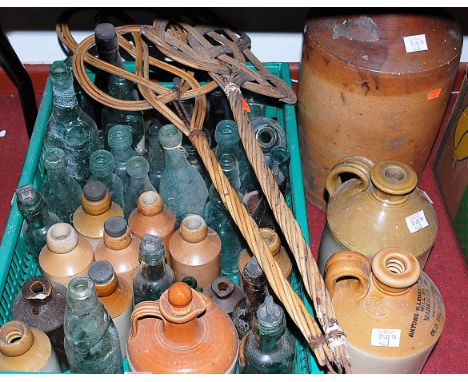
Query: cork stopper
193	228
115	226
62	238
102	274
94	191
27	194
106	37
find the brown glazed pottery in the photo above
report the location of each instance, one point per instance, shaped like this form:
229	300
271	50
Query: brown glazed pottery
96	207
375	86
182	332
380	208
120	248
225	293
195	250
391	311
65	255
26	349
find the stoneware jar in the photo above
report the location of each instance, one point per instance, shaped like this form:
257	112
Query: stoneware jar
195	250
225	293
380	208
119	247
26	349
391	312
66	255
187	332
96	207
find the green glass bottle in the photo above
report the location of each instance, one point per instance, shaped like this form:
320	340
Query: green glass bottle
137	170
84	100
91	341
117	87
194	159
120	142
217	217
69	127
269	134
268	348
37	219
102	167
153	276
228	142
182	187
61	192
155	154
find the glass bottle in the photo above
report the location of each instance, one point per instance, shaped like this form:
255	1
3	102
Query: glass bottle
182	187
217	110
153	275
155	154
268	348
194	159
84	100
218	217
255	288
69	127
120	142
37	219
192	283
279	165
228	142
91	338
117	87
137	170
59	186
269	134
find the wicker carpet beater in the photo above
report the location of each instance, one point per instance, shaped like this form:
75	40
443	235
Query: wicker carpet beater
222	53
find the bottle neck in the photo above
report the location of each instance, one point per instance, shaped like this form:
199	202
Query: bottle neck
37	215
255	292
268	340
383	197
65	101
122	154
153	272
112	57
175	157
155	152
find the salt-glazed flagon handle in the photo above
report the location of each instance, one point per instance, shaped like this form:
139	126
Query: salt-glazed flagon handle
357	165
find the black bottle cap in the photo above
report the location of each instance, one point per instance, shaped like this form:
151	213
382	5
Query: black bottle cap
106	37
94	191
101	272
115	226
27	194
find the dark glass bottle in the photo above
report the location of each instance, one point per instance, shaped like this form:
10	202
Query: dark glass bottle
37	219
137	170
91	339
69	127
155	154
120	142
217	110
192	283
255	288
268	348
117	87
61	192
153	276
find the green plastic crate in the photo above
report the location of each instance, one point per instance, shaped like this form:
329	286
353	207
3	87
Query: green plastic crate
16	265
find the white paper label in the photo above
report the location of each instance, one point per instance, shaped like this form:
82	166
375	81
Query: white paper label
415	43
416	222
386	337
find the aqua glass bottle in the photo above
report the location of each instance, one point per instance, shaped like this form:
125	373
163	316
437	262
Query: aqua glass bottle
84	100
69	127
155	154
120	142
182	187
137	170
217	110
91	339
61	192
279	165
37	219
117	87
102	167
153	276
194	159
268	348
228	142
218	217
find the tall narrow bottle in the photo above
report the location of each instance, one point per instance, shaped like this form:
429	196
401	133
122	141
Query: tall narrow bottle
91	338
182	187
37	219
155	154
279	165
120	142
84	100
137	170
62	193
69	127
217	110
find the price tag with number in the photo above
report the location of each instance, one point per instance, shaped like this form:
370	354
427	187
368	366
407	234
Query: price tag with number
416	222
386	337
415	43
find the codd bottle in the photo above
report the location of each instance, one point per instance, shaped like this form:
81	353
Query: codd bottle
120	142
217	110
91	339
117	87
155	154
37	219
61	192
137	170
102	167
84	100
182	187
153	276
69	127
217	217
268	348
228	142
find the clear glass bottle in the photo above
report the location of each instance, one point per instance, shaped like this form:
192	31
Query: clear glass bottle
91	339
69	127
117	87
228	142
279	165
137	170
268	348
59	186
102	166
218	217
37	219
153	275
182	187
120	142
155	154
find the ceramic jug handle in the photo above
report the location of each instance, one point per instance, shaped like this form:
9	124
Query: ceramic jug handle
144	309
356	165
348	265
